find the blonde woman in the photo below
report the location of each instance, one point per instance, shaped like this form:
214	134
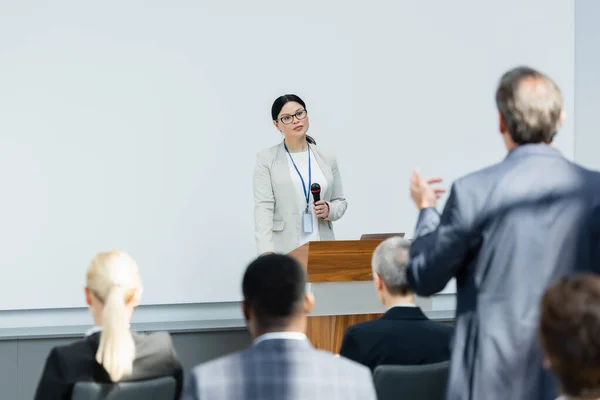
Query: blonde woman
110	352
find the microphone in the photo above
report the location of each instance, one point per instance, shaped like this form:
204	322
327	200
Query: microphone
315	189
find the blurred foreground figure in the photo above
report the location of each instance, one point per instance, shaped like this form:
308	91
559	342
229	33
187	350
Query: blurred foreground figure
506	232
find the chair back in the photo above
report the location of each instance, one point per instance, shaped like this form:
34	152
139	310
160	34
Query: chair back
411	382
156	389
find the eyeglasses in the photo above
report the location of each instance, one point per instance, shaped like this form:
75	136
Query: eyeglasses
288	119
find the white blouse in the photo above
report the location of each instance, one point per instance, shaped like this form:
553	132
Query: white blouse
301	160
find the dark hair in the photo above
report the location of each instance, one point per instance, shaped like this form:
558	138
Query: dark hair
531	105
273	287
282	101
570	333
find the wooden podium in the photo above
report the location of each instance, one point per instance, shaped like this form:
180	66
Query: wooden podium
343	266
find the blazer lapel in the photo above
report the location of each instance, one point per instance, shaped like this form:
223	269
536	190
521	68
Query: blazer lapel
281	179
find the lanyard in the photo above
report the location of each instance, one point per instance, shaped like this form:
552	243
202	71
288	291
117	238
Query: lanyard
306	190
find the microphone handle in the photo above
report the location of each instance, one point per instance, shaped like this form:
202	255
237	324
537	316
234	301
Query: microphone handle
316	196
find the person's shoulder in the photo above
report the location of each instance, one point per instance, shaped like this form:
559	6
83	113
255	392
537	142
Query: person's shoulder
217	373
219	365
158	339
269	152
341	364
480	176
445	329
591	176
364	327
360	375
78	347
82	349
155	344
478	182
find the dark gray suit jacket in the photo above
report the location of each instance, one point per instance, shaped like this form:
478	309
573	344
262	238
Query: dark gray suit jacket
76	362
505	233
280	369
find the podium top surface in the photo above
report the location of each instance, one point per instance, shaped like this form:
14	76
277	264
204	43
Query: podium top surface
337	260
380	236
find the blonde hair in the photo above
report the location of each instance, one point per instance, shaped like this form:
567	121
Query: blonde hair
113	278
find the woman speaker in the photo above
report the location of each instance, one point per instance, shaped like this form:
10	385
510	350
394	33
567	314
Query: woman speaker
286	213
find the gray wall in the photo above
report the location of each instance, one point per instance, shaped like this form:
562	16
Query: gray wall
587	82
77	65
22	360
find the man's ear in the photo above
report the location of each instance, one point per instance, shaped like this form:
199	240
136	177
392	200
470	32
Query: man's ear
309	302
378	281
563	117
502	123
245	311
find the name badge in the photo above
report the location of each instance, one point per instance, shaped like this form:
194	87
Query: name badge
307	221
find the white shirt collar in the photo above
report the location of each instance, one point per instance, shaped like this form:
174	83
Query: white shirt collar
93	330
280	335
403	304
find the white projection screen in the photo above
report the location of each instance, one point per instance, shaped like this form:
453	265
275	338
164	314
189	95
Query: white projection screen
135	124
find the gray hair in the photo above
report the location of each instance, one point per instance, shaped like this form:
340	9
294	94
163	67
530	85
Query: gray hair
389	262
531	104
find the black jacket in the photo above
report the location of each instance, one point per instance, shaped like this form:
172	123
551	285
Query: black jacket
66	365
402	336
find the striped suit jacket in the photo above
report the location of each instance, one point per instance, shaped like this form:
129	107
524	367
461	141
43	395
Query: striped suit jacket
280	369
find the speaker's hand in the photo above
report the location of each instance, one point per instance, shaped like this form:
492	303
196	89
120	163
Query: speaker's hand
322	209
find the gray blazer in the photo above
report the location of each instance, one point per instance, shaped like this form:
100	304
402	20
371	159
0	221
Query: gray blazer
277	216
506	232
280	369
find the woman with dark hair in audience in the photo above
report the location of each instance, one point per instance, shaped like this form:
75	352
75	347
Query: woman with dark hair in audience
285	217
110	352
570	335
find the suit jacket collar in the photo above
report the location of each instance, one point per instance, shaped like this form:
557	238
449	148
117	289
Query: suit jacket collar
93	330
281	156
94	337
280	335
404	313
282	345
533	149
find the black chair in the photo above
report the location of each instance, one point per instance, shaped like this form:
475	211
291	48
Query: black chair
154	389
411	382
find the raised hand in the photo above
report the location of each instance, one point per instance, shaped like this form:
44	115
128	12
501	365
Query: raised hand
421	191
